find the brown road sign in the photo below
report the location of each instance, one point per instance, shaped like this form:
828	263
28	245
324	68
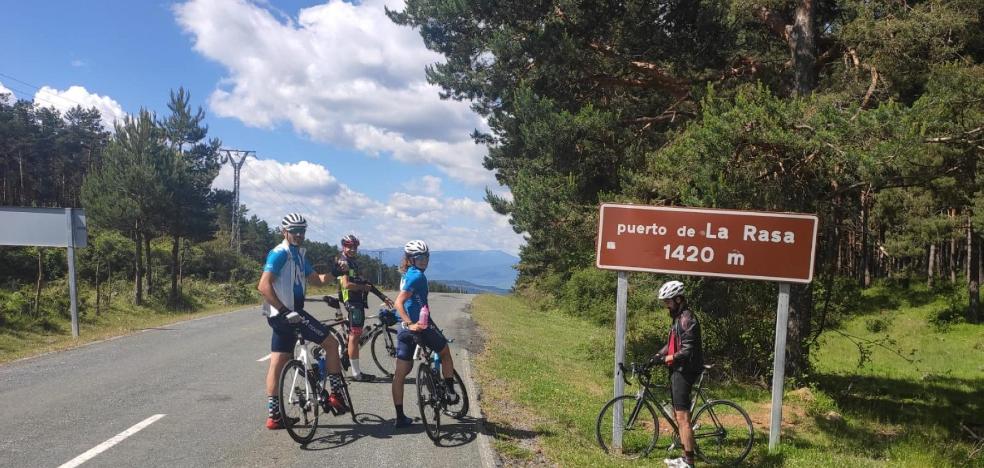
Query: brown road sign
705	242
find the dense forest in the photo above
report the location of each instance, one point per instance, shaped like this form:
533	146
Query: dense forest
868	113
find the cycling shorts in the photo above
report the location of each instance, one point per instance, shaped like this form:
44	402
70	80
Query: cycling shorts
406	343
284	339
680	386
357	317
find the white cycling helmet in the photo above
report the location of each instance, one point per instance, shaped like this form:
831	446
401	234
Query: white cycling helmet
415	248
293	221
670	289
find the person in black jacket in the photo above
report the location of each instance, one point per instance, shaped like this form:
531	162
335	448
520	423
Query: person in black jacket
684	356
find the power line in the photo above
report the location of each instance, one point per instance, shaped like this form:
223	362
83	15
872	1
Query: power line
39	89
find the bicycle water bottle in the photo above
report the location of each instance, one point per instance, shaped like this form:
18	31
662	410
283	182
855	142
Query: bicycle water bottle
424	316
436	361
322	369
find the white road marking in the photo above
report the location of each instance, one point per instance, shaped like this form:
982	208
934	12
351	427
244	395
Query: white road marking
111	442
264	358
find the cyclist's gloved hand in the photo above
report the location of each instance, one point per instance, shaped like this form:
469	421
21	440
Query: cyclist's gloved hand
294	318
656	359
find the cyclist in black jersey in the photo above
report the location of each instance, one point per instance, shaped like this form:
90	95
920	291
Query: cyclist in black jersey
684	356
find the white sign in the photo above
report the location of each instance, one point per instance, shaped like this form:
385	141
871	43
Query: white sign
42	227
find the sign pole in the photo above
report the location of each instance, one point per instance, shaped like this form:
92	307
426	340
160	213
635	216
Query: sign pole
779	366
621	299
71	273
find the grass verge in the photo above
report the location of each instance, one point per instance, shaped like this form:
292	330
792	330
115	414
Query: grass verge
119	317
545	376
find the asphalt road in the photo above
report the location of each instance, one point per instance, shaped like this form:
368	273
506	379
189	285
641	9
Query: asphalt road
204	377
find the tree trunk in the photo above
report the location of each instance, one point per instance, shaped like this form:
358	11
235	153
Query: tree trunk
98	296
109	278
175	247
800	323
864	272
973	274
803	48
953	252
149	266
37	290
930	266
138	270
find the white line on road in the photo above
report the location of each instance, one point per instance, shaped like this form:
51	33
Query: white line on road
264	358
111	442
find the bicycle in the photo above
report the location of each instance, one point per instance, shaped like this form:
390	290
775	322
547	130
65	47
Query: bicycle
431	393
381	336
302	390
723	432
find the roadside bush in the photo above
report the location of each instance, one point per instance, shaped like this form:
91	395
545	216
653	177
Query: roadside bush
590	294
949	313
876	324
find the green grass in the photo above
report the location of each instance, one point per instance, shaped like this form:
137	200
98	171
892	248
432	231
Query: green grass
119	318
545	376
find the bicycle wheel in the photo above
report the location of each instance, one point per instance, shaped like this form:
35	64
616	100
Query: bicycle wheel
640	427
723	433
298	402
383	346
459	409
429	401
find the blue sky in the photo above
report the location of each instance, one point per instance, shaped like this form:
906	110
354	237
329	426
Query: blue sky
331	96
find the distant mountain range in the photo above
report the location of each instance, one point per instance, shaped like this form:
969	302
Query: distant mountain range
472	288
481	270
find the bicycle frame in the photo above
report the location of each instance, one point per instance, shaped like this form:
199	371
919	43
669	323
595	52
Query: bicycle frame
303	354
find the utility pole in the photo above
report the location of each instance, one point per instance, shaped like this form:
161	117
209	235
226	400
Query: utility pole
379	270
230	157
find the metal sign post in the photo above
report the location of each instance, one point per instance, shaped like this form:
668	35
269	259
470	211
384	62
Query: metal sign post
70	243
621	299
753	245
48	227
779	366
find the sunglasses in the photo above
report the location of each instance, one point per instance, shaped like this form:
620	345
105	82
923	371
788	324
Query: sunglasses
297	231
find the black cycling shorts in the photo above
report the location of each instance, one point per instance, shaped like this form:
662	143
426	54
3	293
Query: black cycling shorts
357	317
680	386
284	338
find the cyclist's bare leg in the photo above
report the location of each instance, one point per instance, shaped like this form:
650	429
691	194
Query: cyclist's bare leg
277	363
331	352
399	377
686	432
353	345
447	363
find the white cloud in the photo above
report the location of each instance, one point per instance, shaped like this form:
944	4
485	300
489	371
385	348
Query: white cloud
341	73
10	98
108	108
271	189
77	63
427	185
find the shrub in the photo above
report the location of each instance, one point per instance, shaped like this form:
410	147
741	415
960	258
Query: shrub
876	324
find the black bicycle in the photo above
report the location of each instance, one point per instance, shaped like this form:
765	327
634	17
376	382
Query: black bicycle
432	395
723	432
303	392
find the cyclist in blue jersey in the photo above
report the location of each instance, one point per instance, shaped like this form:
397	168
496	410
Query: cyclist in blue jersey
410	302
282	286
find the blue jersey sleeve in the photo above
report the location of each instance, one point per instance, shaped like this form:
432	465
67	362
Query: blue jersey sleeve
275	261
411	281
308	269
